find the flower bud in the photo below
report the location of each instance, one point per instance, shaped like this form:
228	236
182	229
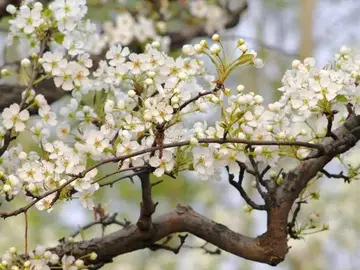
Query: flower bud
161	26
216	37
194	141
345	50
198	48
22	155
25	63
38	5
27	264
47	255
175	100
93	256
295	64
149	82
7	188
303	132
258	99
240	88
151	74
5	72
155	44
79	263
131	93
148	117
54	259
182	76
241	42
258	63
14	267
11	9
215	49
204	43
325	227
12	250
188	49
247	208
243	48
281	135
241	100
39	250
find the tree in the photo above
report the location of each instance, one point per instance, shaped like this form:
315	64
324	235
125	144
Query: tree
129	110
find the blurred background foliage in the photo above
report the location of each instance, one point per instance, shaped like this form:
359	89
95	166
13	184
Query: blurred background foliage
280	30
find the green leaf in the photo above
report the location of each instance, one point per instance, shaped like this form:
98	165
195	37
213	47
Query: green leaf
341	98
59	38
99	103
245	59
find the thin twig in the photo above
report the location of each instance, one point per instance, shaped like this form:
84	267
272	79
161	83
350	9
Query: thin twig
291	225
339	176
206	250
258	178
119	171
122	178
26	232
238	186
163	246
105	221
186	103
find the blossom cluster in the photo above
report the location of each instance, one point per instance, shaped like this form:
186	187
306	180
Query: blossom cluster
32	22
42	259
213	14
127	29
141	101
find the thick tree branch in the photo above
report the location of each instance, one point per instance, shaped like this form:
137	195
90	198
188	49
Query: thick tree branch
183	219
147	206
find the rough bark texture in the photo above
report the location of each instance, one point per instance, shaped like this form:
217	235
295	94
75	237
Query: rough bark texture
270	247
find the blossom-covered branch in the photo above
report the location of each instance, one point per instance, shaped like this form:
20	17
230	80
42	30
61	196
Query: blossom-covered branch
131	110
